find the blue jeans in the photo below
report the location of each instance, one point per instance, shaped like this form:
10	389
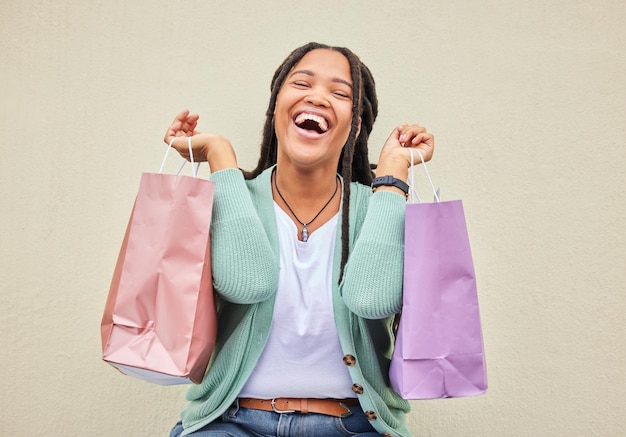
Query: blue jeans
246	422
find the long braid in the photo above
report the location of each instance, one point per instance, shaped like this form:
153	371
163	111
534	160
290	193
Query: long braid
347	157
354	165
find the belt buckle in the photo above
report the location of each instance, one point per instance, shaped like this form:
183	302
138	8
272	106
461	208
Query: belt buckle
276	410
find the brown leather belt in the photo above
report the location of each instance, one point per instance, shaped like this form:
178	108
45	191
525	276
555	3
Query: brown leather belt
330	407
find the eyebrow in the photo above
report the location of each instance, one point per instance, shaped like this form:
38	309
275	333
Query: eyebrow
310	73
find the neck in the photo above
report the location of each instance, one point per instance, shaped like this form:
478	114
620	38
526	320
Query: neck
305	186
313	206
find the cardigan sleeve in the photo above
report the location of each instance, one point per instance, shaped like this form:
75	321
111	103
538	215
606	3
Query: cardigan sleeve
372	282
244	266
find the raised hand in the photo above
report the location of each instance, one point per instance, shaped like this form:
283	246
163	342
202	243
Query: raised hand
395	158
214	148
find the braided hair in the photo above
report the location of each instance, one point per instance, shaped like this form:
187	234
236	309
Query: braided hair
354	165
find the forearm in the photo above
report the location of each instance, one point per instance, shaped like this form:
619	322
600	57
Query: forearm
240	275
220	153
372	283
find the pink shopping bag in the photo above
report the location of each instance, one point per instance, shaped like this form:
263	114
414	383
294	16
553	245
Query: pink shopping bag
439	349
160	321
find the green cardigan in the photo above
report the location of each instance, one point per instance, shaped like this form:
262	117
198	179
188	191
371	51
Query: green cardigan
245	266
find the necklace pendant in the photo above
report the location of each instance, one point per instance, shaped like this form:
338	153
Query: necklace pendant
305	234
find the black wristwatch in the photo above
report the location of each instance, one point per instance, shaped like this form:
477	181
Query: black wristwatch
390	181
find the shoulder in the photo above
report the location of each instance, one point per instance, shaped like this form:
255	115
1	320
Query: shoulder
360	190
262	181
359	197
359	202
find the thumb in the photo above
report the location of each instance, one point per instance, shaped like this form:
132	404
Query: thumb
394	138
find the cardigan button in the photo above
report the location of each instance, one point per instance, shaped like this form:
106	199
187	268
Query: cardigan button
349	360
370	415
358	389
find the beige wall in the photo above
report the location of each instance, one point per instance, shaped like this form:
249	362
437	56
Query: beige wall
527	100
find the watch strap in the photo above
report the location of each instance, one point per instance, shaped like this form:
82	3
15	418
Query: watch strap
390	181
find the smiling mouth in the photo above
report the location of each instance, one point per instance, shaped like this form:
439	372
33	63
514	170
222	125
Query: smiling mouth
311	122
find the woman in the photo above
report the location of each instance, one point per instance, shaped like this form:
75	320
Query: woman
307	253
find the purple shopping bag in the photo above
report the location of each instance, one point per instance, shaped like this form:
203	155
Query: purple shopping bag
439	347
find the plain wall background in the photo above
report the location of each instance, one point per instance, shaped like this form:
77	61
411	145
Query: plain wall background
528	104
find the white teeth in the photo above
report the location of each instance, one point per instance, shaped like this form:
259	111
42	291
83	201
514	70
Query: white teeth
321	121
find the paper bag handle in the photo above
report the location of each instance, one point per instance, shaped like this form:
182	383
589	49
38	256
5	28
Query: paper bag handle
194	166
413	196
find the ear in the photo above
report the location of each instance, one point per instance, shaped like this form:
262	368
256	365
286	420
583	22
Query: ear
358	130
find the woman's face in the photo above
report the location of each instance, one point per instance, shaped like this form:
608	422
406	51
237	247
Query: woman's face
313	110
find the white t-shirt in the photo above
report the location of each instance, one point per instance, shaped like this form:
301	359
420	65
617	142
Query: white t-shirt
303	357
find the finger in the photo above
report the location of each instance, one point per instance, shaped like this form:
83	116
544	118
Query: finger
409	132
422	138
183	124
172	133
189	125
169	135
425	150
192	121
403	126
181	116
412	127
176	125
394	138
185	121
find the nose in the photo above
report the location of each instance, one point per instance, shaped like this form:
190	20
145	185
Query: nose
316	97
